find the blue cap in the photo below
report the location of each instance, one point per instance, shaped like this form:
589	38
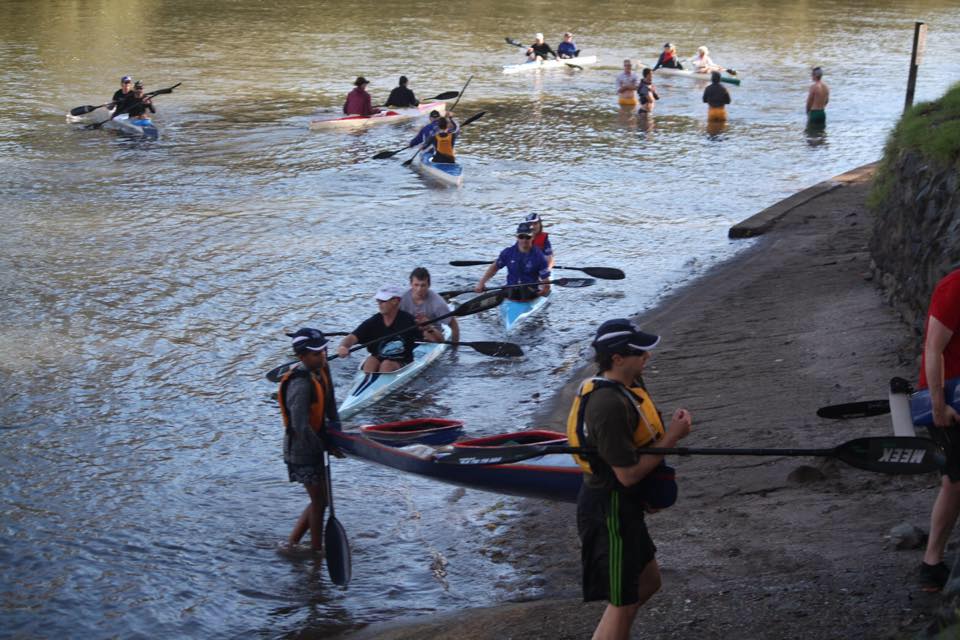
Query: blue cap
623	336
126	79
525	228
533	217
307	339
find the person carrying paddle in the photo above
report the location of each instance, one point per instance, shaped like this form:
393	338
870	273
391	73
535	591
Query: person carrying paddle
668	59
123	97
541	240
627	83
525	265
717	98
308	408
817	99
358	101
616	417
442	140
401	96
941	362
567	49
539	50
423	304
398	351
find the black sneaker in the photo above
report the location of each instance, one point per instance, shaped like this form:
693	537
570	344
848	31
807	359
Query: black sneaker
933	577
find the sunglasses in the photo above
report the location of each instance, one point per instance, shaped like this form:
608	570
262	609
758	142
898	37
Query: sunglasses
524	237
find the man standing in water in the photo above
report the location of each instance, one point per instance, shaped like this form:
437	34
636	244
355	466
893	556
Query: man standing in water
817	99
309	408
717	98
617	418
941	362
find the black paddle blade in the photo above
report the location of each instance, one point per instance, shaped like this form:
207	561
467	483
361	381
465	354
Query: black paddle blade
484	301
604	273
496	349
849	410
893	454
515	43
337	549
383	155
160	92
574	66
276	373
406	163
469	263
79	111
446	95
573	283
473	118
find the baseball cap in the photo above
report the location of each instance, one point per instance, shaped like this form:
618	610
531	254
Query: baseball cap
138	84
126	79
360	81
307	339
533	217
525	228
623	336
389	291
434	114
538	36
667	46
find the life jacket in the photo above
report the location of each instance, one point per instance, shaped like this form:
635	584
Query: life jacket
321	382
667	56
539	240
649	426
445	143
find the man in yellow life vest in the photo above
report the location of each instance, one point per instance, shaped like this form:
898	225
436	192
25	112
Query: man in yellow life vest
308	408
617	418
443	140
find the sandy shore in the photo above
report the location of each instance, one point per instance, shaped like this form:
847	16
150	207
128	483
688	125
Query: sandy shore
755	547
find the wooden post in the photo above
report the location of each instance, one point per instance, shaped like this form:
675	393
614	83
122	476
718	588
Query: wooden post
916	57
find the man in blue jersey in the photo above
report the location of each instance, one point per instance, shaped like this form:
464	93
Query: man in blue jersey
525	265
428	131
567	49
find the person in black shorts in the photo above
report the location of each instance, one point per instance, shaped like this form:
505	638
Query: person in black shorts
618	555
390	353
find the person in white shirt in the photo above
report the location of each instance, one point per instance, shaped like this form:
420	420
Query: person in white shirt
627	83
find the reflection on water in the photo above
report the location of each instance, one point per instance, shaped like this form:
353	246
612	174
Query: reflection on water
148	283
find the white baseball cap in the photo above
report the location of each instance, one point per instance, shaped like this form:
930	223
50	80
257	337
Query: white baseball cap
390	291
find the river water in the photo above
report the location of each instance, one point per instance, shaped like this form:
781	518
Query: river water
147	284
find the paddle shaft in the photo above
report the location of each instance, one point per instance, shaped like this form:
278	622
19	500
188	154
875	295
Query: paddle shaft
446	95
496	349
560	282
383	155
604	273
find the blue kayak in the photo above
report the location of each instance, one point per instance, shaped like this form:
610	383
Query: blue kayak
448	173
515	312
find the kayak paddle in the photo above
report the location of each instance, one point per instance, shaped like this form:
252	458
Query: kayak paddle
151	94
888	454
339	560
496	349
482	302
446	95
523	46
604	273
848	410
383	155
87	108
571	283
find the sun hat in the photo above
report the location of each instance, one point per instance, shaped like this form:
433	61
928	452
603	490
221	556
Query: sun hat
623	336
307	339
538	36
360	81
389	291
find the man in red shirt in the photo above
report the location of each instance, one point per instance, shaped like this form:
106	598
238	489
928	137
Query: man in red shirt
358	101
941	362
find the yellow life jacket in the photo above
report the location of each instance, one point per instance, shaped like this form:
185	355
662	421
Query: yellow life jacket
445	144
321	382
649	426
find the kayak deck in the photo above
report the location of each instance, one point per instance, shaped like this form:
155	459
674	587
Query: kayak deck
567	63
368	388
514	313
687	73
384	117
447	173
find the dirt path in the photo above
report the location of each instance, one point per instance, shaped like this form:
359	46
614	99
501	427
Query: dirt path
755	547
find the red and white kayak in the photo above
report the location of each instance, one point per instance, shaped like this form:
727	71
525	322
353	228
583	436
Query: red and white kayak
390	115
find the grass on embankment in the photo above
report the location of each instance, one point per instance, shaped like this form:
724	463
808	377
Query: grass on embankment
931	129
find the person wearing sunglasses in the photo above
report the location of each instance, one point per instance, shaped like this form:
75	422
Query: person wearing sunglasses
123	97
526	265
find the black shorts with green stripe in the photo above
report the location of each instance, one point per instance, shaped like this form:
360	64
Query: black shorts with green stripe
615	545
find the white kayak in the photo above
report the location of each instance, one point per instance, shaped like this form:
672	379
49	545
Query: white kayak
450	174
513	313
98	115
368	388
688	73
388	115
123	124
567	63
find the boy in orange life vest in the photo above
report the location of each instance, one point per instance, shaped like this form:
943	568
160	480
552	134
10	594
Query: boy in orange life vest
443	140
308	408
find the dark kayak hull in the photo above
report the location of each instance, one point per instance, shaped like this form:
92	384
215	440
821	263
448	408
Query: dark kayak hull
553	477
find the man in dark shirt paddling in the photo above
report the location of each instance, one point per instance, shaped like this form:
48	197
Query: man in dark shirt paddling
385	355
401	96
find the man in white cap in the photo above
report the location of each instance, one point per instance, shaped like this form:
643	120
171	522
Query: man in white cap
614	415
539	50
309	408
390	353
123	97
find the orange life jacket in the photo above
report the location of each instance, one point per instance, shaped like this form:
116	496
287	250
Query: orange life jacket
321	382
445	144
